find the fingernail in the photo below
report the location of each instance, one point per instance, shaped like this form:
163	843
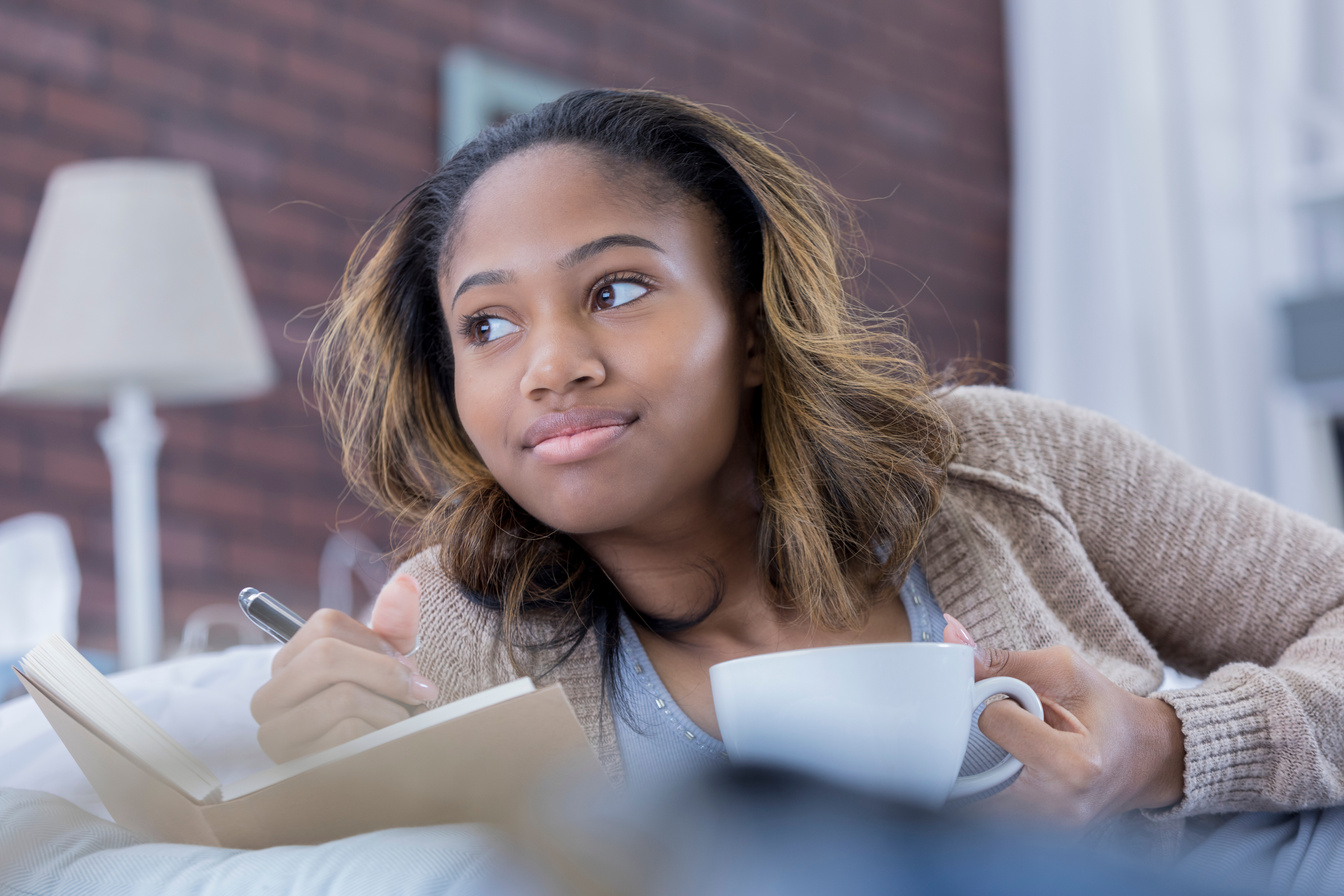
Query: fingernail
422	689
959	632
409	582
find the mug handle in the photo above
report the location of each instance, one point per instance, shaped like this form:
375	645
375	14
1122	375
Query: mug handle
969	785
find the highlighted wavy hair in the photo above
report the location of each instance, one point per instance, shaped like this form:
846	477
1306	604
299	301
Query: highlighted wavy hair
852	447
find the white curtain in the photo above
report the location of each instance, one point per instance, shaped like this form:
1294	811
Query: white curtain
1153	228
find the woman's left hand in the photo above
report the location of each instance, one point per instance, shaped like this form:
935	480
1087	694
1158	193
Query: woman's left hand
1100	750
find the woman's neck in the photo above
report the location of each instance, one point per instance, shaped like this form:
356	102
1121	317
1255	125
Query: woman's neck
680	570
679	564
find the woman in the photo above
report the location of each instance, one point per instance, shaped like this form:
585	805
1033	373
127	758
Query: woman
604	362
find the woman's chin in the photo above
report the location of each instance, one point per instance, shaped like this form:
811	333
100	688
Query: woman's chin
584	513
580	525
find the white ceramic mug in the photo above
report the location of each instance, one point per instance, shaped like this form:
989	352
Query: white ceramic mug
893	718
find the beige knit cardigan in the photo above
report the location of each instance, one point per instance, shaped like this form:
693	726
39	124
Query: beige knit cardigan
1058	526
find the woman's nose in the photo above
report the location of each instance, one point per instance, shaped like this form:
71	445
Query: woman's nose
562	357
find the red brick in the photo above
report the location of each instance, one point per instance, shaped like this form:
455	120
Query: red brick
186	546
283	224
275	114
124	18
518	35
186	431
14	504
228	153
97	116
198	38
77	469
295	451
213	495
94	538
310	512
11	455
267	563
332	188
297	15
451	21
52	422
16	95
943	277
305	289
264	275
407	50
351	86
25	156
288	338
288	352
157	78
411	111
44	45
388	149
16	215
978	20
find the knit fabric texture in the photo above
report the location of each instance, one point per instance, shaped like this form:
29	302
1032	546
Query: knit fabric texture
1059	526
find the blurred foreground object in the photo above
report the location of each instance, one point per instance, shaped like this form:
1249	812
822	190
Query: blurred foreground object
760	831
131	291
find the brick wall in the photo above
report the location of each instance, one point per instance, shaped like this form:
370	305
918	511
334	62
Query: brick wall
315	116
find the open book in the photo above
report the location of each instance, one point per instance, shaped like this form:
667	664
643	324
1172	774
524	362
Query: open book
471	760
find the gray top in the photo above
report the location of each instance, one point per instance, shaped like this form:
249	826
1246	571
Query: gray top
660	743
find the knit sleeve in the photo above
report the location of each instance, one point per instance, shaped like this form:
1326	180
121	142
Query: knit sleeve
462	652
1225	584
458	648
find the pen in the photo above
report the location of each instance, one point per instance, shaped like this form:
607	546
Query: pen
269	615
278	620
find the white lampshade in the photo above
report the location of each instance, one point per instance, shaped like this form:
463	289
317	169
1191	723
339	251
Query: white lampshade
131	278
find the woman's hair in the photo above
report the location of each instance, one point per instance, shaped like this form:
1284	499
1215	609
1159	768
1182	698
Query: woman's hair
851	448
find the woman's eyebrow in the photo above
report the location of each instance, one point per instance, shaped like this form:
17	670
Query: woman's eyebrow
602	244
572	258
484	278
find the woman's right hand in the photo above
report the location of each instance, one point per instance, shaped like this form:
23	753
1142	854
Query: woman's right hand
337	679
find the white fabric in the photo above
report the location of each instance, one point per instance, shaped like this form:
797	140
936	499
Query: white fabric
48	847
50	844
1153	228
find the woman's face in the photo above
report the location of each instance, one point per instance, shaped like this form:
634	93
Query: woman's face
600	367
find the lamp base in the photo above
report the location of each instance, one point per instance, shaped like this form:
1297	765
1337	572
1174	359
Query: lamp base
131	437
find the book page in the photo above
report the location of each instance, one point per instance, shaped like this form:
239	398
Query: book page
135	795
95	703
424	720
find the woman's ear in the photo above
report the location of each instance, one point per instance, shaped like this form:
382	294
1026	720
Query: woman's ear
753	334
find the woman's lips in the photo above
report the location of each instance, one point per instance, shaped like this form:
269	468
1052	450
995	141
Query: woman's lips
575	434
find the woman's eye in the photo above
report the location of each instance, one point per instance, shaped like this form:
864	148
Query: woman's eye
488	329
616	294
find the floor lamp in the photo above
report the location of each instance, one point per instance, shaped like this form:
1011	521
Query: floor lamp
130	293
